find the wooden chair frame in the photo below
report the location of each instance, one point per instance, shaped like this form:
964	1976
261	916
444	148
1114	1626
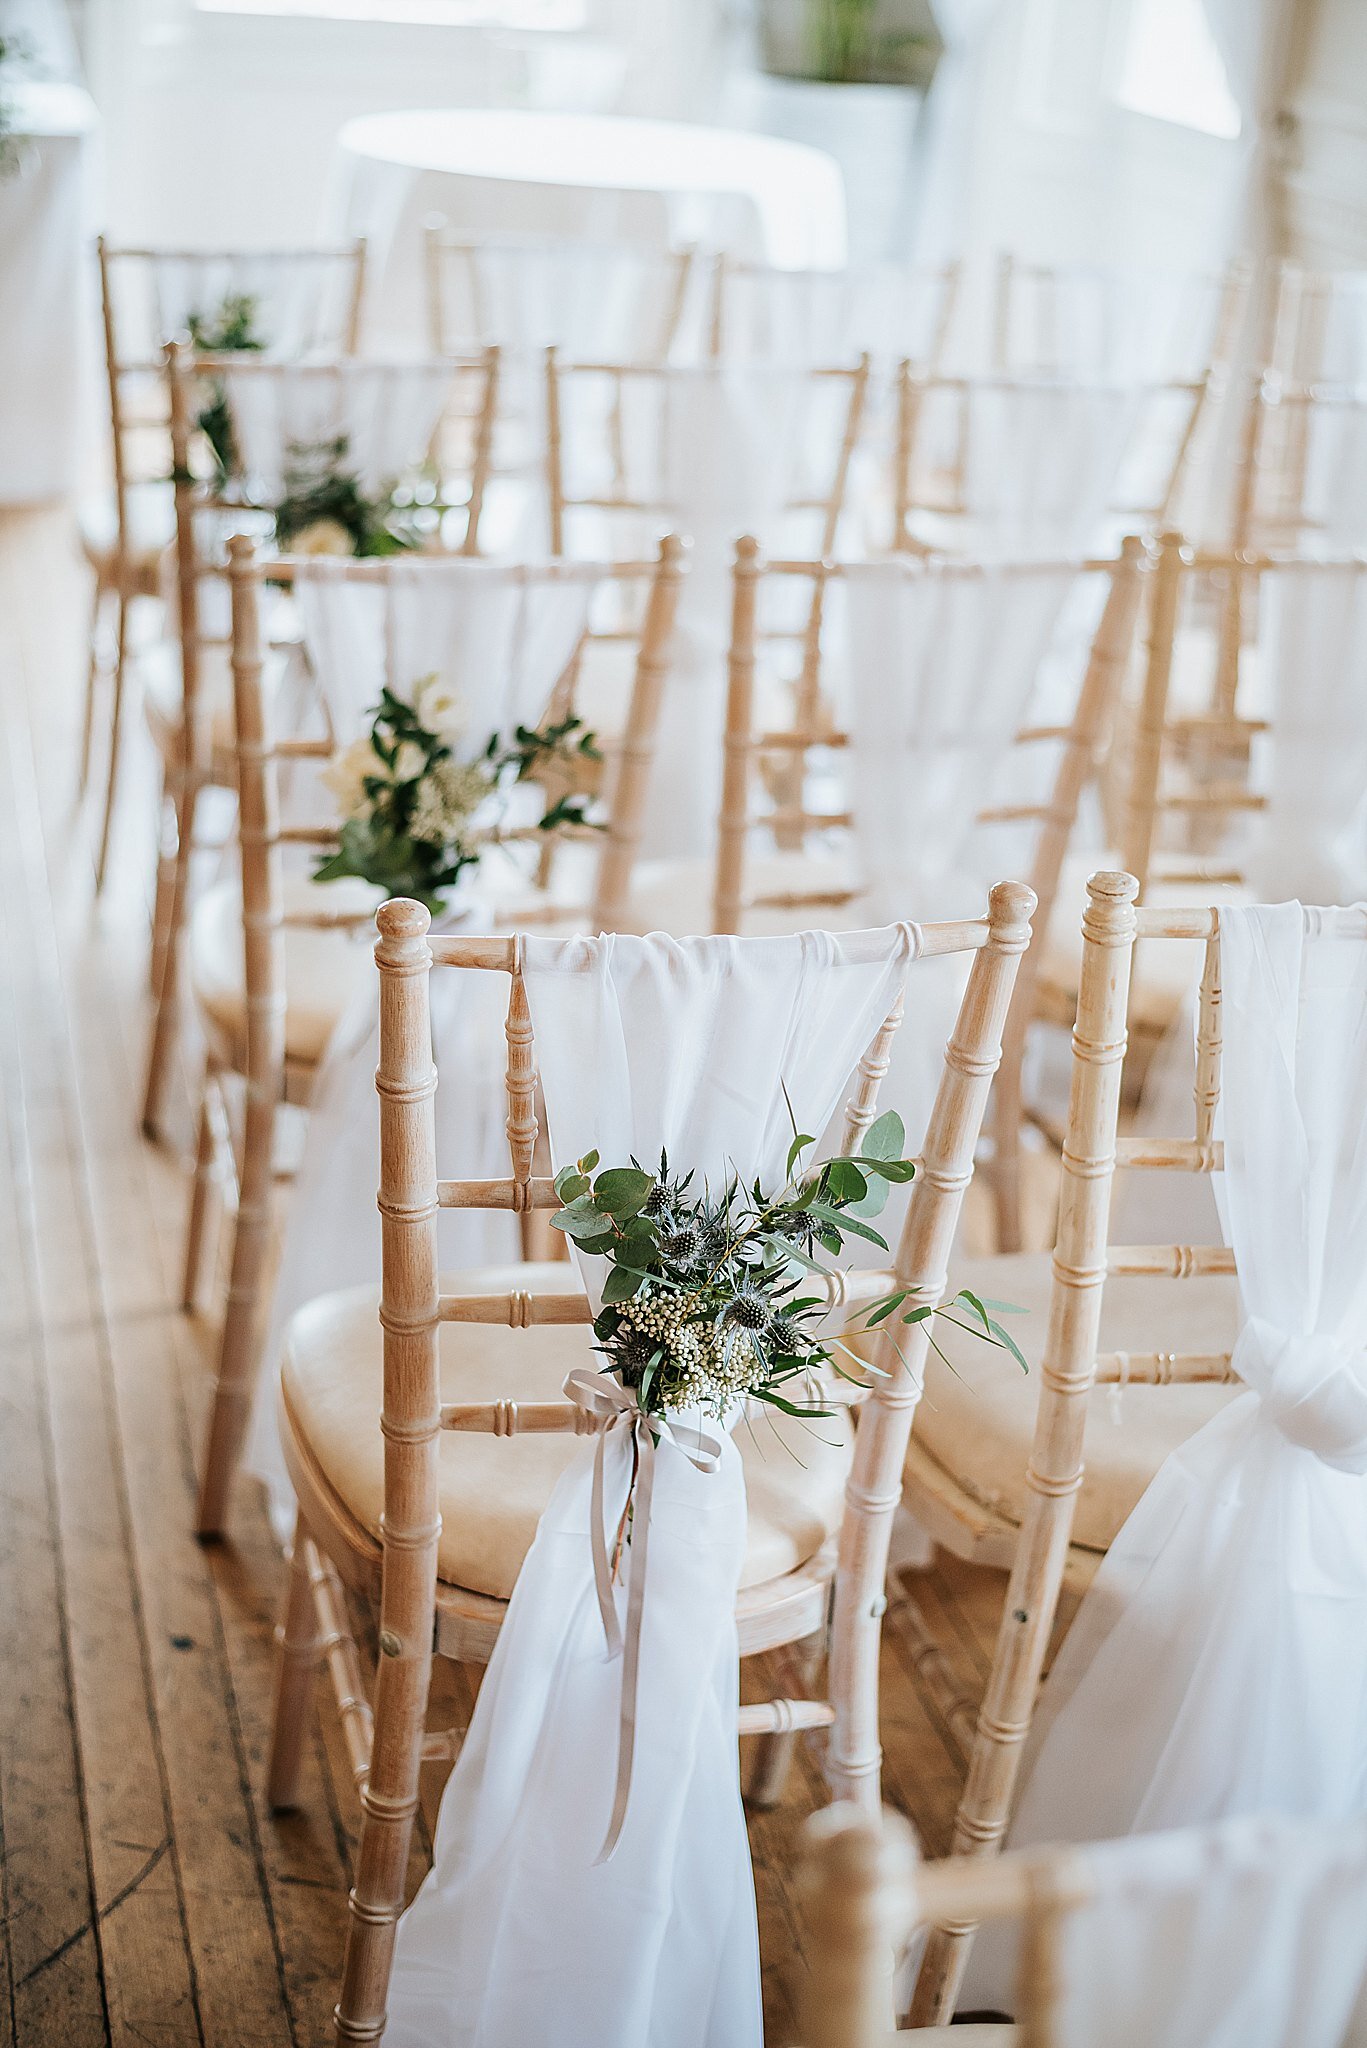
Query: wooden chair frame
746	750
1273	462
945	497
191	764
271	1079
415	1612
443	253
1039	1553
867	1895
125	576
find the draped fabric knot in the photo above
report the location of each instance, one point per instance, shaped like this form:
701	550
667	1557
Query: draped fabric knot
1313	1389
615	1407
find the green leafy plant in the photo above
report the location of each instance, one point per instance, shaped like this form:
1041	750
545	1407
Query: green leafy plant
708	1298
231	330
412	804
325	510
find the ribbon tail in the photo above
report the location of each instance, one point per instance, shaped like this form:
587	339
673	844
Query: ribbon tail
631	1656
602	1567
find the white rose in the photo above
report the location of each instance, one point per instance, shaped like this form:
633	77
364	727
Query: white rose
323	537
409	762
345	776
439	707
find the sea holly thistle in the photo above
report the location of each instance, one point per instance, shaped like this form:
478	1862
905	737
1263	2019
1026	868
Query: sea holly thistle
416	814
708	1297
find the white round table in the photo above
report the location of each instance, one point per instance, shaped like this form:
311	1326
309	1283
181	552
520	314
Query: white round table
593	176
45	264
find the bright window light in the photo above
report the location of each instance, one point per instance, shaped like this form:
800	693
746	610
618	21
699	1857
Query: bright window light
1172	69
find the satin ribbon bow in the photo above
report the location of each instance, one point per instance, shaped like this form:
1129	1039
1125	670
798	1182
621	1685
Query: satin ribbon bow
615	1407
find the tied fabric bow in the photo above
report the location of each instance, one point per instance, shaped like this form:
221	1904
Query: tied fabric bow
615	1407
1313	1388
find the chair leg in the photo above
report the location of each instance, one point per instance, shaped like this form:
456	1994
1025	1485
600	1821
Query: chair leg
172	910
201	1202
237	1357
115	738
773	1756
301	1647
92	679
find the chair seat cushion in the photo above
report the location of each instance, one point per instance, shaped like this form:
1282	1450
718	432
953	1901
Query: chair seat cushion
152	527
493	1489
976	1421
323	968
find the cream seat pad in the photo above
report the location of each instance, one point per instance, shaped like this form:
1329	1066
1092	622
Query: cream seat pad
976	1422
323	968
494	1488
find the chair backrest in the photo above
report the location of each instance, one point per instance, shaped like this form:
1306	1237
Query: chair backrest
264	756
529	293
889	312
1148	1935
1214	714
1298	481
625	441
1084	1262
1011	463
1100	320
766	772
292	303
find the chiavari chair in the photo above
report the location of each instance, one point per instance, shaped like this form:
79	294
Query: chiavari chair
890	312
146	298
187	683
1083	1916
1317	326
1037	1476
415	1511
609	452
1298	478
972	455
1079	319
528	293
273	959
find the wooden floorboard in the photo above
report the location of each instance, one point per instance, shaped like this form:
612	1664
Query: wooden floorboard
145	1893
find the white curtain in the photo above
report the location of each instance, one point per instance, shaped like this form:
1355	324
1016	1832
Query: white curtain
1312	840
500	638
1218	1664
952	122
518	1934
387	413
1252	1934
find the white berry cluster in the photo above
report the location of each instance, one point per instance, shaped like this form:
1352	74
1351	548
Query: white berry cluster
708	1367
447	795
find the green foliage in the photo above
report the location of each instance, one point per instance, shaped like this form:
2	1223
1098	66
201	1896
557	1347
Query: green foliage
411	828
13	52
229	331
707	1298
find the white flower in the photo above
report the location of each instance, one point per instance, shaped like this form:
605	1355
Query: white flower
322	537
345	776
409	761
439	707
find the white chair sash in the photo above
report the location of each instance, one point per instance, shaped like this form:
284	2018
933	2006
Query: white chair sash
519	1934
1311	842
386	412
1218	1664
301	305
1252	1934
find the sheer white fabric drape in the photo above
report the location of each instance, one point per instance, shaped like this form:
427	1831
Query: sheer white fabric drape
500	637
1311	842
518	1936
387	414
301	304
1252	1934
594	301
1218	1664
